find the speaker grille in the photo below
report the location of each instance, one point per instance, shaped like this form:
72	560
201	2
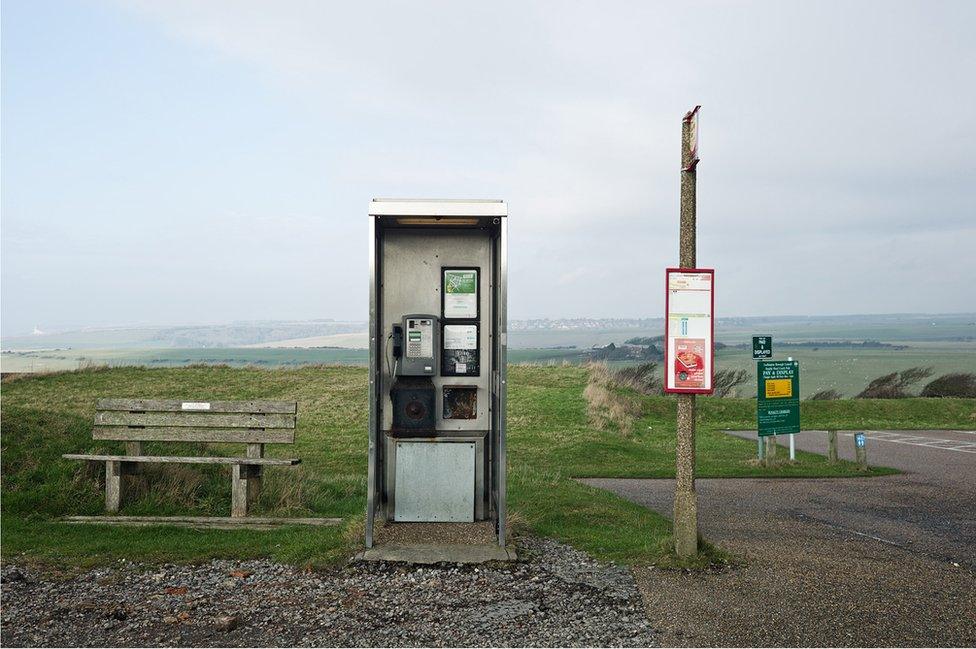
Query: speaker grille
413	406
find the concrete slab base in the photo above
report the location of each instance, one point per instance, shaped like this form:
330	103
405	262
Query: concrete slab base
427	553
202	522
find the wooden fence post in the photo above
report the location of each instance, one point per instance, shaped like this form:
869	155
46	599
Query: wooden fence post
832	446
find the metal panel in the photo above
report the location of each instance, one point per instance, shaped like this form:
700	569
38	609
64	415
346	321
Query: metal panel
436	207
482	477
435	481
411	283
372	474
501	315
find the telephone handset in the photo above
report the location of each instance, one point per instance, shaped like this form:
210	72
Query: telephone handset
397	341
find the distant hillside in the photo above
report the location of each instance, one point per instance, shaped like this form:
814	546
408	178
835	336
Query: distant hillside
543	333
237	334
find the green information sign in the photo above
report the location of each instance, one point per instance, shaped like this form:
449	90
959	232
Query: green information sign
778	397
762	347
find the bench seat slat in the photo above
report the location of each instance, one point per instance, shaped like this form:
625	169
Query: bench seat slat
183	460
181	434
193	419
171	405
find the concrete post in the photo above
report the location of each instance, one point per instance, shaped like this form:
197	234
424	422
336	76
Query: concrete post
832	446
861	453
685	498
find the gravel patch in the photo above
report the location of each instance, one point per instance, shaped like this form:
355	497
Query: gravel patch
553	596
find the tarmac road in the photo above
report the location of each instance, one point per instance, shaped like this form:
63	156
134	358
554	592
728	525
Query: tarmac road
928	509
847	562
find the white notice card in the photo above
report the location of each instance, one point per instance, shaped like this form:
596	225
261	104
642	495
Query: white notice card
460	336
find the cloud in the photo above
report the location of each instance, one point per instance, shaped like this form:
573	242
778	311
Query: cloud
835	136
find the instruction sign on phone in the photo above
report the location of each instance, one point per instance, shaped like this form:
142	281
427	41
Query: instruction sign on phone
689	330
461	350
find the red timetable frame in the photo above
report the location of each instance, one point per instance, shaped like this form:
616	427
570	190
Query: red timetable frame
670	380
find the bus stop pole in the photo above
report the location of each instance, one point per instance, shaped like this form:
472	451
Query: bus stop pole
685	498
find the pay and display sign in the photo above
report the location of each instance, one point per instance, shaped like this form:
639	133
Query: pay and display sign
762	347
778	397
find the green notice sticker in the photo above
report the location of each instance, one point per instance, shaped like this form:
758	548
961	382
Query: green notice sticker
460	281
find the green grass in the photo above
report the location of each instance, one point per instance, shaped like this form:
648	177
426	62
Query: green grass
550	442
845	370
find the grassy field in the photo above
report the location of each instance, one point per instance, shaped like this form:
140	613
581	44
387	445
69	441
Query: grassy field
551	440
845	370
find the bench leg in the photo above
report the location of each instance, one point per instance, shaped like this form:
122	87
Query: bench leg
254	473
134	448
239	490
245	486
113	486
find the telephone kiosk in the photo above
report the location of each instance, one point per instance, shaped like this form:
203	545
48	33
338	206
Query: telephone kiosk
437	362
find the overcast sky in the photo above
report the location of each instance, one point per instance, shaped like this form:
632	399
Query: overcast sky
190	162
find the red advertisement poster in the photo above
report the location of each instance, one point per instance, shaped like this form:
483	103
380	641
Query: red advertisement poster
689	363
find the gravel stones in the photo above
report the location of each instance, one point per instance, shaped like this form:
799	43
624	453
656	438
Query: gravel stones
554	596
227	623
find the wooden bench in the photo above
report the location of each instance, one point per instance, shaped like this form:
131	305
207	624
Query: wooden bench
136	421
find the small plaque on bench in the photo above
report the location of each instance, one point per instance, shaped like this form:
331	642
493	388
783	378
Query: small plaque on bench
196	405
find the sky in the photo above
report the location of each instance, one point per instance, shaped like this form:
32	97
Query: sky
203	162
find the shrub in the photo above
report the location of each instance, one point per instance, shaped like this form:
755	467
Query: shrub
644	378
825	395
725	382
607	405
894	385
958	384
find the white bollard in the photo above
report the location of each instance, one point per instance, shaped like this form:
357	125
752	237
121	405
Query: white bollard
792	449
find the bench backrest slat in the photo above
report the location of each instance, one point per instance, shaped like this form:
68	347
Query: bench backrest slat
181	434
168	405
192	420
248	422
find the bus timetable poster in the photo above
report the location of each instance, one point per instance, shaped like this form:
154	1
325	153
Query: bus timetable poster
689	330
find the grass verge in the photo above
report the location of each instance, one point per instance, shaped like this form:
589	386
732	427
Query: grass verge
551	440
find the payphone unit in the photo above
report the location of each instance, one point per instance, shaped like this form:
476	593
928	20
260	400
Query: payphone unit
415	347
418	343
